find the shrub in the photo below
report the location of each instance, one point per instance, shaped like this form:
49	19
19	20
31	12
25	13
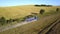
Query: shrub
34	13
42	11
57	9
2	20
10	20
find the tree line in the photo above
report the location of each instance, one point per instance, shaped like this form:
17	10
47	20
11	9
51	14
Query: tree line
44	5
4	21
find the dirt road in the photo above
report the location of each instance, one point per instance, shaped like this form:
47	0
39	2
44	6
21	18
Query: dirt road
4	28
55	29
52	28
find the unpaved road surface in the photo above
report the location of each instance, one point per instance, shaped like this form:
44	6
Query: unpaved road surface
4	28
55	29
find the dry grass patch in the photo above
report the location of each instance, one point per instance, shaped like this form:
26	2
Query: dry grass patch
34	27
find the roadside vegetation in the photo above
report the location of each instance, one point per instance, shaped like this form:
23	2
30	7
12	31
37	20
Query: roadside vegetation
41	13
34	27
46	16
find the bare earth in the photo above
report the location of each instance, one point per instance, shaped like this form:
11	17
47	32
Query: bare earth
4	28
55	29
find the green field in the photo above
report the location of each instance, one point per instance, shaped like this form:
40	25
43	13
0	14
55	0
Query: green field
47	18
34	27
21	11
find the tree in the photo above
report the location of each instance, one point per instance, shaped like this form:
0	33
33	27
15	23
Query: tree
9	21
2	20
57	9
42	11
37	5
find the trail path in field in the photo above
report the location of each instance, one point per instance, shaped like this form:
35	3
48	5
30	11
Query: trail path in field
48	29
55	29
4	28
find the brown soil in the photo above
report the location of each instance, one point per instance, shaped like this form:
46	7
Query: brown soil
55	29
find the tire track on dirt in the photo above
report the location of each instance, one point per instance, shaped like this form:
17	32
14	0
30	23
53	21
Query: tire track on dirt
46	29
